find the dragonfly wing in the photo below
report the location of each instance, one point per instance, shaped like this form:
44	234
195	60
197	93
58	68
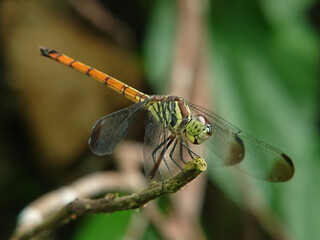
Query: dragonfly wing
260	160
264	161
109	130
224	142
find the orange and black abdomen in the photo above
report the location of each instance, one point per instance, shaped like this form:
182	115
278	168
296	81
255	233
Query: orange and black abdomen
129	92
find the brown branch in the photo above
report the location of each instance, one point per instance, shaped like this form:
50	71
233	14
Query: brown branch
112	202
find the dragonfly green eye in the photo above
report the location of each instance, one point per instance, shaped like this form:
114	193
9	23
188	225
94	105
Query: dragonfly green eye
198	129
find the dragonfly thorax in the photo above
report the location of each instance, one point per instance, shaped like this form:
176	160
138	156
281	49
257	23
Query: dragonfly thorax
198	129
172	112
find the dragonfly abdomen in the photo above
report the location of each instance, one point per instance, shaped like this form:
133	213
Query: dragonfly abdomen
172	112
116	85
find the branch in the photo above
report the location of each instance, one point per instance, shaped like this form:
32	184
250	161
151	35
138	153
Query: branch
112	202
105	21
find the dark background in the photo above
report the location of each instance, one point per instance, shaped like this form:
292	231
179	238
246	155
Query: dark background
260	60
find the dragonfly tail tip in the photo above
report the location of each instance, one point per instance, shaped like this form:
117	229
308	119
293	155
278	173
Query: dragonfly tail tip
46	51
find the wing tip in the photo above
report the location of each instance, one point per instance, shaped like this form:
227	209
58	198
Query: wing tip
285	170
47	51
287	159
237	151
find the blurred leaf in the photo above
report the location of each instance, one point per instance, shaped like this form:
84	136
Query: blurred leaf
265	75
100	226
150	234
159	44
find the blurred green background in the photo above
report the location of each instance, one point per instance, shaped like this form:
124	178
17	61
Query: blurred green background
260	62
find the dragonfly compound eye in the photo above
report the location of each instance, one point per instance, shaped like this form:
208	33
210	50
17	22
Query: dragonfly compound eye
198	129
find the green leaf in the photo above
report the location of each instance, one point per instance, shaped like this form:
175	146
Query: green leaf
159	44
265	68
103	227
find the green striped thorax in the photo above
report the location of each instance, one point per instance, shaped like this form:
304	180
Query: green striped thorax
174	114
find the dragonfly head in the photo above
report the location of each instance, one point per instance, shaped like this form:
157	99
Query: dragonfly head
198	129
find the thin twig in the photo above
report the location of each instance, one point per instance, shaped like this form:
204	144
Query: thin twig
187	80
105	21
112	202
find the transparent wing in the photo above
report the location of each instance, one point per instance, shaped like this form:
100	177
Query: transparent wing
109	130
264	161
260	159
162	151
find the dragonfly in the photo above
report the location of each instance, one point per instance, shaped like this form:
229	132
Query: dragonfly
174	128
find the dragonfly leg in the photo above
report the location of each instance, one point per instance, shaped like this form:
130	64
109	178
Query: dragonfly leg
172	152
181	153
191	153
163	158
157	162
